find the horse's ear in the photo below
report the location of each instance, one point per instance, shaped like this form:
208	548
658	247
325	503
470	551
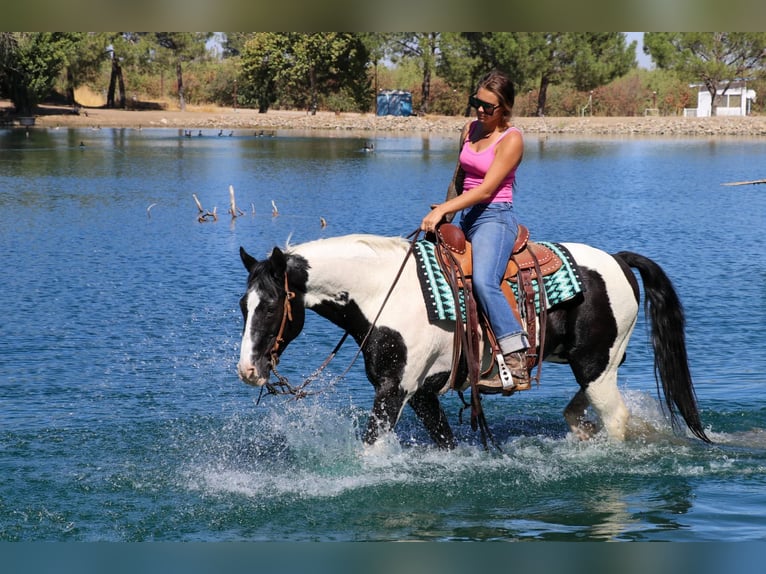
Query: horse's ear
278	262
248	260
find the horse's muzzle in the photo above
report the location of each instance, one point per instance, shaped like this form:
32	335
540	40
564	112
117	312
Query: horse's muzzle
250	375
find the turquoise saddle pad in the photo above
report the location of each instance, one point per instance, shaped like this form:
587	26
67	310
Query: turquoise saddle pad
563	285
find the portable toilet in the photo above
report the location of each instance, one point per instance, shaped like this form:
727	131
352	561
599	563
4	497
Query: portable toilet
394	103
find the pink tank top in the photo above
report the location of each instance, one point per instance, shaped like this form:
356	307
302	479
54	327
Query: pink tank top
476	165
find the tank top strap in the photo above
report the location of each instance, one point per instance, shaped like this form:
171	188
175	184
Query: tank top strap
502	135
506	132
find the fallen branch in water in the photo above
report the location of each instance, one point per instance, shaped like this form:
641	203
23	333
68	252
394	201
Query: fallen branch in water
208	214
205	215
754	182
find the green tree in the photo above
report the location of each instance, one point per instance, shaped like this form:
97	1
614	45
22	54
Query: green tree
126	49
422	48
31	65
375	45
264	60
182	47
585	59
464	59
9	47
714	58
234	43
301	66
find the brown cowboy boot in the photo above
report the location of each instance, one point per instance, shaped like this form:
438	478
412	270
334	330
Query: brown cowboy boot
517	364
514	378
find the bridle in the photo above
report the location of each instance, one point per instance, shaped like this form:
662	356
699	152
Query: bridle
287	315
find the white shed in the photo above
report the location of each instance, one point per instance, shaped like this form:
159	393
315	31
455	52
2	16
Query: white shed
737	100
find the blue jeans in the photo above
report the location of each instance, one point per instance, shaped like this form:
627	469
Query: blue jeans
491	228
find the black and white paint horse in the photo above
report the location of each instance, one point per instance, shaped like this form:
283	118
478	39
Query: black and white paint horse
408	359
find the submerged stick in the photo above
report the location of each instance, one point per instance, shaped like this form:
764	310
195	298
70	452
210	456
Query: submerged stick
754	182
233	209
199	205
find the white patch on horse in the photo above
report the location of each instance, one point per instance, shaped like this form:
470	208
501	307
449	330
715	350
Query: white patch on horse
245	359
602	393
367	266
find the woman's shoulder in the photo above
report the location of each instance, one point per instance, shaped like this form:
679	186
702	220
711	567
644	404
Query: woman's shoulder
467	129
511	133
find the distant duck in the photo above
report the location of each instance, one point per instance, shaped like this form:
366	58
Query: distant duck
199	134
220	133
369	147
231	133
82	145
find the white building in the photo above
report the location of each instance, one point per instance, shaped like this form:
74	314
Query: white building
737	100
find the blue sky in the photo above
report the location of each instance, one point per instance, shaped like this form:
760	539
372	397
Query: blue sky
644	61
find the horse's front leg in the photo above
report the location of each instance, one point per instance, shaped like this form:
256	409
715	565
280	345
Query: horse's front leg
389	400
428	408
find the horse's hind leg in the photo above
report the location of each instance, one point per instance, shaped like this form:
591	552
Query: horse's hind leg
606	400
429	410
575	414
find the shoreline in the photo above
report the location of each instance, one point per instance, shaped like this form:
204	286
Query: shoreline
241	119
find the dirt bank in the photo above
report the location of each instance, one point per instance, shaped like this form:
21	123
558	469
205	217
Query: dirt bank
246	119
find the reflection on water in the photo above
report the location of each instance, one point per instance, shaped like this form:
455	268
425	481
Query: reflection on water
123	418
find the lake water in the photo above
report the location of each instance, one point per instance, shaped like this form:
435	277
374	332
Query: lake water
123	418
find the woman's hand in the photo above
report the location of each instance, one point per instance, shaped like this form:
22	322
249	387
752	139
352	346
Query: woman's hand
433	218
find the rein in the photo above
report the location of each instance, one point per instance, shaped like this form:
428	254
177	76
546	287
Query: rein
283	386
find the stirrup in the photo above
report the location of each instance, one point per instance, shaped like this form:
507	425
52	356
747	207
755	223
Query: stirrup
506	375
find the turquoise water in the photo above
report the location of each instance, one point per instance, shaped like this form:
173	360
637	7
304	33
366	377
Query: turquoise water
123	418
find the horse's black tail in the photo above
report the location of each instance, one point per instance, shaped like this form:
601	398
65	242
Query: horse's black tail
671	364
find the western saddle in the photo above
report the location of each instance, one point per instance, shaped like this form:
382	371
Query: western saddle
529	261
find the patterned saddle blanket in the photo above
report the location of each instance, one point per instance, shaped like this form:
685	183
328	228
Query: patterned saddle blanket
561	286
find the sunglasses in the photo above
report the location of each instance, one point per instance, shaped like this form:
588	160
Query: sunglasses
488	108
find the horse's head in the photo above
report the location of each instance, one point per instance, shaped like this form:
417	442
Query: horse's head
273	310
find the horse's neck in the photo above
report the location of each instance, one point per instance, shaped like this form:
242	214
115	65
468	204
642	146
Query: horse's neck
351	267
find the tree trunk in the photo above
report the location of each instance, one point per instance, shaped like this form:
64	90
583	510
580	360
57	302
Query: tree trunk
121	85
22	100
112	82
425	89
313	90
70	87
712	91
542	96
180	79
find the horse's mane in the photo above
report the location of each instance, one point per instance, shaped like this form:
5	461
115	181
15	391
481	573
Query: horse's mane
359	244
